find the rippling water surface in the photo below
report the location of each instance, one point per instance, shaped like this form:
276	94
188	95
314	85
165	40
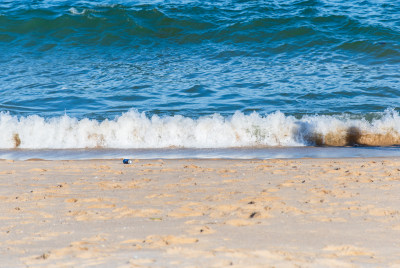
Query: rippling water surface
263	73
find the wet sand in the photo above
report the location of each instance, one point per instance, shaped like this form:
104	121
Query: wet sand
200	213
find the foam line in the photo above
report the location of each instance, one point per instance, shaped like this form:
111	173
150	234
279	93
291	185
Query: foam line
136	130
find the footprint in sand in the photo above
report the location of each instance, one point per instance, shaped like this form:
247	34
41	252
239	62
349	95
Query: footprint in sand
240	222
347	250
158	241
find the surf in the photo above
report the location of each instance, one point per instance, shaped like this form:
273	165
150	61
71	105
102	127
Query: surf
136	130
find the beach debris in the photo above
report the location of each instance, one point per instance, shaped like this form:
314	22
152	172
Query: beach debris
127	161
44	256
254	214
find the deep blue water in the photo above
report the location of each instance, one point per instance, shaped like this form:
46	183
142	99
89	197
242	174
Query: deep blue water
319	61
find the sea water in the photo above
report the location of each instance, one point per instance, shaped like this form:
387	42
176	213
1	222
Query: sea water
233	79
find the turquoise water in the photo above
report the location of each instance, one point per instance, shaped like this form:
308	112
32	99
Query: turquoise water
199	74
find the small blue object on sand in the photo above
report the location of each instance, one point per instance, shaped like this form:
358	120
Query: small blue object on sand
127	161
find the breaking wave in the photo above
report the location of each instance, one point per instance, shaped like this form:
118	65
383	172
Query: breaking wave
134	130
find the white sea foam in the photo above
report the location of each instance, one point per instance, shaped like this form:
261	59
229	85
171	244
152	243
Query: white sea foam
74	11
136	130
85	11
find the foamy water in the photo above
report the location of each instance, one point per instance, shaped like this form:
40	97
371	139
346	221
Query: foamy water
134	130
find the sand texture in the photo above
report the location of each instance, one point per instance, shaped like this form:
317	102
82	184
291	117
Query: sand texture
200	213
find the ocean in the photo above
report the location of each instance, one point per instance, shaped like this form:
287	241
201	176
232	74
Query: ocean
181	79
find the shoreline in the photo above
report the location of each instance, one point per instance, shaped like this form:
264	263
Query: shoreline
341	212
205	153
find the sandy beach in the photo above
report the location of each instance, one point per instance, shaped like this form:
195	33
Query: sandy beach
200	213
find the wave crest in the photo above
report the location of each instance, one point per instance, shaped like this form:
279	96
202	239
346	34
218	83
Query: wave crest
136	130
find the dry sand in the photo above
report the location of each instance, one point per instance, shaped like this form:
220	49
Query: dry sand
200	213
